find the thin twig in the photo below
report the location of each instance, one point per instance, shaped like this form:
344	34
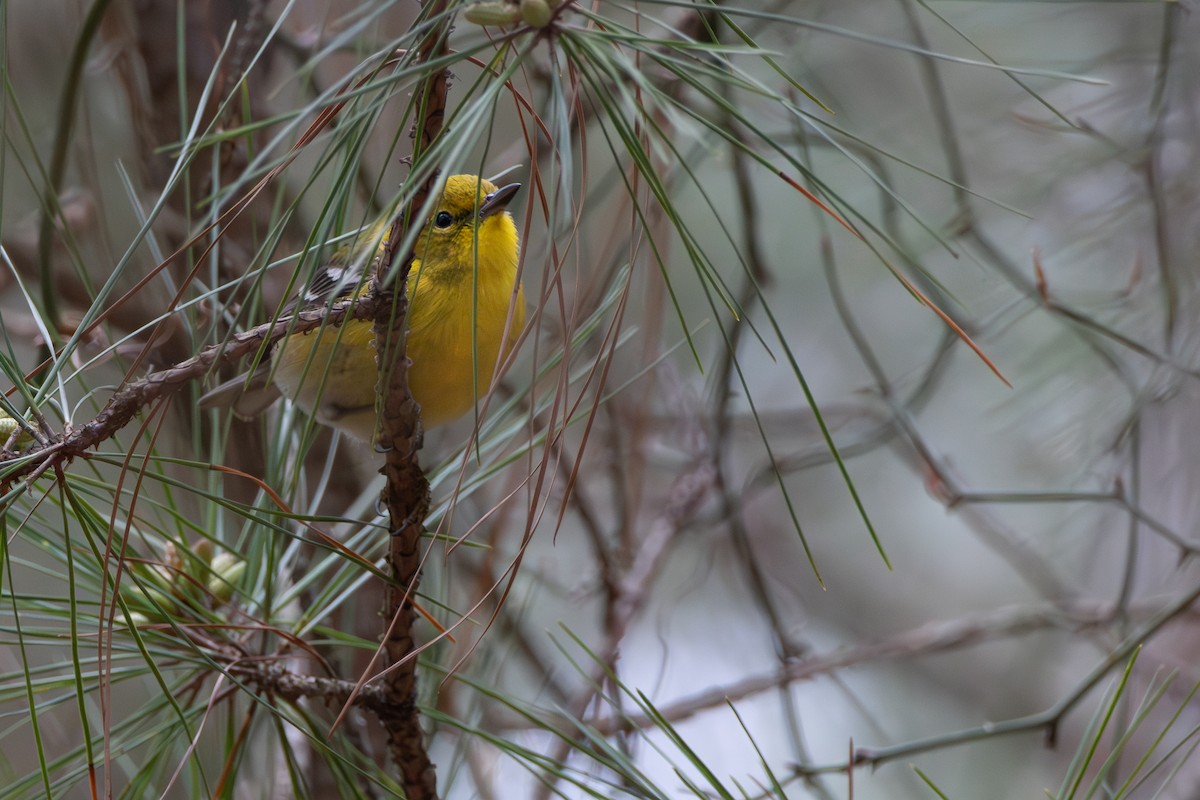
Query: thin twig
922	641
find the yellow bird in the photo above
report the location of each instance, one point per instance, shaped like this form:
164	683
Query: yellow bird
461	288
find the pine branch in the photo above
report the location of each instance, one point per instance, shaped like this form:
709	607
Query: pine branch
406	494
126	402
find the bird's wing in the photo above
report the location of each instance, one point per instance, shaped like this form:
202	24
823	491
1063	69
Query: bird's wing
249	394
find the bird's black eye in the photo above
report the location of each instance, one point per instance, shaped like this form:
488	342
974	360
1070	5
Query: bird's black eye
443	219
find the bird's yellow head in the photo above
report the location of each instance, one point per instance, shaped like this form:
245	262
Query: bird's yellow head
468	226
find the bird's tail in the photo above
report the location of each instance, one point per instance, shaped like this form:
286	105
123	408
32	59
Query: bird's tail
249	394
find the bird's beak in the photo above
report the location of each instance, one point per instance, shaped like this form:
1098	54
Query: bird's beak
496	202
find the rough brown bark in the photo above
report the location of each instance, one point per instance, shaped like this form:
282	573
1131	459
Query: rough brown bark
406	494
